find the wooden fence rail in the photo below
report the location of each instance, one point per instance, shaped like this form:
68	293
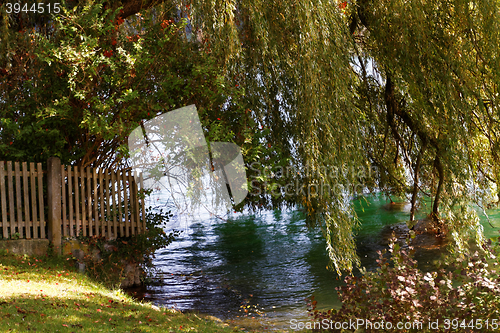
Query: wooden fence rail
79	201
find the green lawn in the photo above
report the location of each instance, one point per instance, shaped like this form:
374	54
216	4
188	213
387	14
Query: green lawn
49	295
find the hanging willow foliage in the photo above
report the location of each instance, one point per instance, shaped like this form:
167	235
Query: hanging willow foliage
408	87
327	99
294	58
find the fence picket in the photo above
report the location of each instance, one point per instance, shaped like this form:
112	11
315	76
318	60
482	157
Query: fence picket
12	214
41	207
63	199
101	203
107	198
119	203
84	215
130	181
78	221
113	196
125	204
142	204
94	202
34	215
89	202
70	202
3	200
25	200
17	174
135	202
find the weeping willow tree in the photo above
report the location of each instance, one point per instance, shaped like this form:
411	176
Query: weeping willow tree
433	111
407	89
327	99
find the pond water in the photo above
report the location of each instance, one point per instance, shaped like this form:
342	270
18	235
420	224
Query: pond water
257	270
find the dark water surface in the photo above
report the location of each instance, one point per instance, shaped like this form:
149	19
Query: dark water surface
257	270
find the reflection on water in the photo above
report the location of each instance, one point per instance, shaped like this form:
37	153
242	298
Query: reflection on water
261	266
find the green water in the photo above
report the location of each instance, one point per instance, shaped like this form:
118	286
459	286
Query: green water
266	264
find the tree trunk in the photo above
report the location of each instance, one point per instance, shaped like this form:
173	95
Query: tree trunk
415	179
435	207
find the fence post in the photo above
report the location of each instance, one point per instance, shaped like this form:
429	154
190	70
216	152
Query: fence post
54	202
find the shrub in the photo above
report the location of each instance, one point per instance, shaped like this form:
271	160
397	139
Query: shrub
462	294
108	265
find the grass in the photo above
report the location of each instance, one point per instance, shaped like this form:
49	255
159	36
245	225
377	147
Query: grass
49	295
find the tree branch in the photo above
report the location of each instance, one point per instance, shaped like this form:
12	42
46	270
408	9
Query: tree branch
132	7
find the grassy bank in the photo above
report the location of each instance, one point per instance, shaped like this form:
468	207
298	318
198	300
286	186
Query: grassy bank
49	295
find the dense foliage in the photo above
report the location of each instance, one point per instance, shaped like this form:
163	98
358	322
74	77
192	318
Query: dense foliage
463	294
76	84
330	99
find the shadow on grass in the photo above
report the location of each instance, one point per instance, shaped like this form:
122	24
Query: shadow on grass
48	295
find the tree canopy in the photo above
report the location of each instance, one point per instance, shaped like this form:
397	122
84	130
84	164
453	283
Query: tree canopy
326	99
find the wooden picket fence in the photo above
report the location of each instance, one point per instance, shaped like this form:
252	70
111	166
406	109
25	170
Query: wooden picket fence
22	189
101	202
79	201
